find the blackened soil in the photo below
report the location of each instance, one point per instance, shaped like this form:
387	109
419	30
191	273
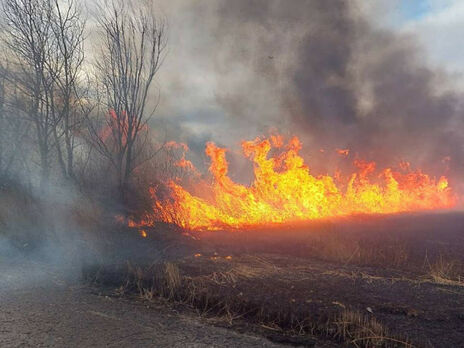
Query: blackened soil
430	314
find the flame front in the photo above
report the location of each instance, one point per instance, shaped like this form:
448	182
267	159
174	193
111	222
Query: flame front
284	190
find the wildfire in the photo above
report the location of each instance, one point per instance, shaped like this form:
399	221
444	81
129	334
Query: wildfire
285	190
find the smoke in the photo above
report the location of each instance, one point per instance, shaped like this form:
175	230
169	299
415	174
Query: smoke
319	69
52	226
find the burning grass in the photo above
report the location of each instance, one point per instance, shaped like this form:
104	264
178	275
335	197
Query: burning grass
285	190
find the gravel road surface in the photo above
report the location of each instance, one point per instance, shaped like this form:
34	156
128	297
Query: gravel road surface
41	306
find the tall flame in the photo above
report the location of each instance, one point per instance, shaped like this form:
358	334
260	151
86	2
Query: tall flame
284	190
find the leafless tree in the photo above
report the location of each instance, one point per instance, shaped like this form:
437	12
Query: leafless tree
14	130
132	50
68	29
27	31
45	40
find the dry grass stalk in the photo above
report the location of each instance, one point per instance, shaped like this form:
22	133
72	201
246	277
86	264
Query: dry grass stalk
202	294
363	331
445	271
340	249
172	278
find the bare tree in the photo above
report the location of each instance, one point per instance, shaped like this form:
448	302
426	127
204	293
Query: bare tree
131	54
68	29
14	130
28	36
45	40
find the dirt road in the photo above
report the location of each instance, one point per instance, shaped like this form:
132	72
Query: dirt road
41	307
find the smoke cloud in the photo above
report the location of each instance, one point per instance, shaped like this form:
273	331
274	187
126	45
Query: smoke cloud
319	69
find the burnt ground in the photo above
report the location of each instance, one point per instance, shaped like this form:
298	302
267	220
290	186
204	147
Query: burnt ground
42	306
276	293
408	306
392	281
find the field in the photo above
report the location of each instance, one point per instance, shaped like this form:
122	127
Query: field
361	282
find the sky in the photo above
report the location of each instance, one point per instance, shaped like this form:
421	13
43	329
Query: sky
438	24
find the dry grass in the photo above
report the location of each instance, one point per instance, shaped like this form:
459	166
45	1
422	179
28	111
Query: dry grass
445	271
251	267
161	280
363	331
440	270
335	247
172	280
201	293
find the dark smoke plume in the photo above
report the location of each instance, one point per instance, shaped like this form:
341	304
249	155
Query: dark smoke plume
322	70
319	69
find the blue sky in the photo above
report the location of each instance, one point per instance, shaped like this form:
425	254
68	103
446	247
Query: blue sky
414	9
438	24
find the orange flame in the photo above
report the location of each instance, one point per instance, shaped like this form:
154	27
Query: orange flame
120	127
285	190
182	162
343	152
